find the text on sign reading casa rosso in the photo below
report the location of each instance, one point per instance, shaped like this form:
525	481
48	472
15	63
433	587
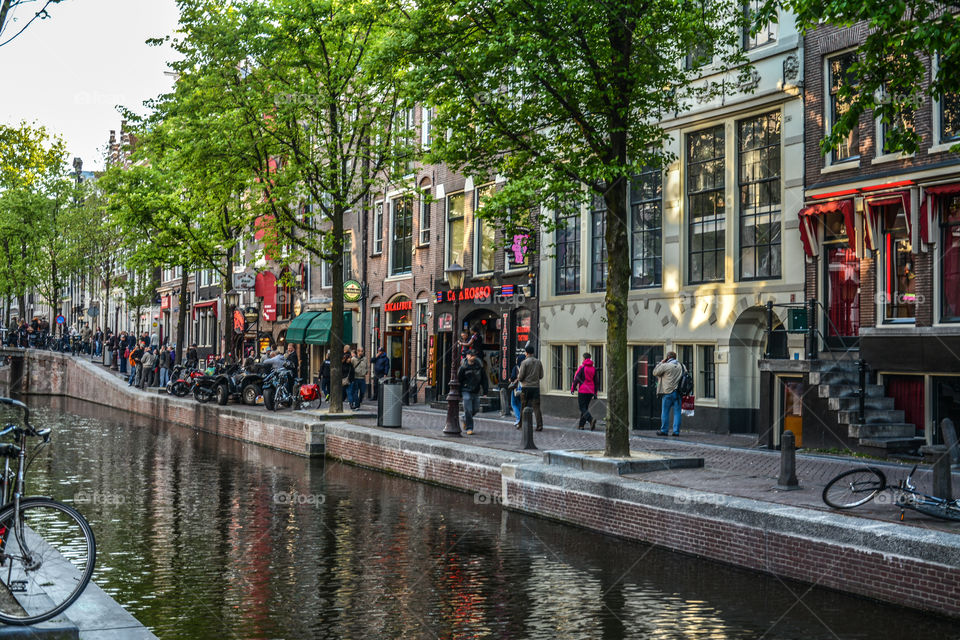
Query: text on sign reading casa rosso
468	293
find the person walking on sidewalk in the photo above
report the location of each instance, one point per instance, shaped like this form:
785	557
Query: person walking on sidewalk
585	388
381	368
515	391
473	381
146	374
325	376
668	374
360	368
163	363
529	376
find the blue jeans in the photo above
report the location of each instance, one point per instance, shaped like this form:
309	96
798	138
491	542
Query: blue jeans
670	400
164	377
133	376
358	390
515	403
471	405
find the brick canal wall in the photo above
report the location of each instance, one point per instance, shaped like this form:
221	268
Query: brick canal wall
894	563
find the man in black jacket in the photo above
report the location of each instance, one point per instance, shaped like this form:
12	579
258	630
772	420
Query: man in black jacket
381	368
473	380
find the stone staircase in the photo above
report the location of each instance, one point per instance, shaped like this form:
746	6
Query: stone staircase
883	427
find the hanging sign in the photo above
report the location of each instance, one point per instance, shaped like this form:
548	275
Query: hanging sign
352	291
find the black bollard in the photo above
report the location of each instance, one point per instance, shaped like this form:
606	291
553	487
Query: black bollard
942	482
526	441
788	462
949	434
505	401
405	381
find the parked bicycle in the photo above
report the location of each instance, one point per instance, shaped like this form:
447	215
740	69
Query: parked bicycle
859	486
47	549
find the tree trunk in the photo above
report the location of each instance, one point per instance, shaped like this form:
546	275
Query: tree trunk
182	315
618	256
226	322
336	308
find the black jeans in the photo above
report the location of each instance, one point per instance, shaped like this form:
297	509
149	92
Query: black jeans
583	401
531	398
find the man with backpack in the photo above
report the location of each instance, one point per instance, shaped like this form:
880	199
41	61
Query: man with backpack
473	380
672	382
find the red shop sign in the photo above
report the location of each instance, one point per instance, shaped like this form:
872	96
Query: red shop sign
406	305
469	293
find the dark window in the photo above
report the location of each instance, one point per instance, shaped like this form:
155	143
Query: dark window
708	375
402	250
685	355
705	200
759	178
568	254
596	351
767	33
950	260
598	244
646	210
425	218
557	367
347	256
573	362
378	228
950	117
840	76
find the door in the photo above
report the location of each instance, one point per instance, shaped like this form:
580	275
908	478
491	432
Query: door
791	407
646	405
398	349
843	296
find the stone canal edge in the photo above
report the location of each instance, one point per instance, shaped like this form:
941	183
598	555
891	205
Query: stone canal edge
907	566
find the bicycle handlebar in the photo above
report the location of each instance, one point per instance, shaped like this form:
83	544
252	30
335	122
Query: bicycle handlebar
10	402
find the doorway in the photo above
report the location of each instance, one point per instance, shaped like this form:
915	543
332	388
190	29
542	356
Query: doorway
646	404
841	285
398	349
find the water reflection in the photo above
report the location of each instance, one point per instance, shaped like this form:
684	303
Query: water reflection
201	537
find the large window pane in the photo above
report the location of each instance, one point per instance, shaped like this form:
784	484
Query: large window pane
598	244
705	201
758	142
456	208
486	234
568	254
950	260
839	76
766	34
646	206
402	251
950	118
899	277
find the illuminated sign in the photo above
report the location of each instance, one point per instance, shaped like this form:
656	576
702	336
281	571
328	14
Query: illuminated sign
467	293
404	305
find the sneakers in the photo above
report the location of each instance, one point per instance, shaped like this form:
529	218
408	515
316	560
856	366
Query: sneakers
661	433
469	432
593	424
675	435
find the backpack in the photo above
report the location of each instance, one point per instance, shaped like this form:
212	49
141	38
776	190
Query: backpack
686	383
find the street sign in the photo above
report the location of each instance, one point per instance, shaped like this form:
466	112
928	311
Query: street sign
61	320
244	281
93	312
352	291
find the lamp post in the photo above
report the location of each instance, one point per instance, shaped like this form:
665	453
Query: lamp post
455	274
232	299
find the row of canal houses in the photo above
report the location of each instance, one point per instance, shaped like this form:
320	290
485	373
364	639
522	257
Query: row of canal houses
739	246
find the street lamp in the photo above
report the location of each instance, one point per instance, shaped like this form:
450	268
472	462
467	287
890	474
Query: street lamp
232	299
455	274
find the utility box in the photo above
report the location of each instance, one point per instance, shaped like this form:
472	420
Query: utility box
797	321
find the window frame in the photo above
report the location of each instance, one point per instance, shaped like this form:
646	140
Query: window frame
718	220
945	227
423	234
599	268
756	214
480	247
831	108
598	356
378	228
749	42
448	249
706	371
638	232
347	257
404	242
570	238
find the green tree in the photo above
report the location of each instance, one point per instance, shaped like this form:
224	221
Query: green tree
895	60
564	99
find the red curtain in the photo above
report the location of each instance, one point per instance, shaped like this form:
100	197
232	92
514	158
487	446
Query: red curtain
951	272
844	279
907	394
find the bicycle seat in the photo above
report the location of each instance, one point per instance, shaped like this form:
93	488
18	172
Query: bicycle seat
8	450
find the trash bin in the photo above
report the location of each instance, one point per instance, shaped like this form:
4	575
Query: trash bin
389	404
106	356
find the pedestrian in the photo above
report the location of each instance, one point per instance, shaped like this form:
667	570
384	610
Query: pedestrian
147	364
668	374
292	358
136	370
515	391
123	353
360	368
163	365
472	380
529	376
325	376
193	359
381	368
585	388
348	376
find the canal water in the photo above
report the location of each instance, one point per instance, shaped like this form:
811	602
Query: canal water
201	537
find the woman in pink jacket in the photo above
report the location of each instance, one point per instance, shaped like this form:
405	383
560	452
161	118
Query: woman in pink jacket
585	388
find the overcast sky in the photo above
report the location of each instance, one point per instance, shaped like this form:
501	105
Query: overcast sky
70	71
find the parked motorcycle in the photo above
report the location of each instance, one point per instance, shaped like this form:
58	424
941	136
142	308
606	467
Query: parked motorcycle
205	387
281	389
241	384
182	380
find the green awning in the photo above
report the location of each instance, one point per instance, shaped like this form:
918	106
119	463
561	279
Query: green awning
299	326
318	331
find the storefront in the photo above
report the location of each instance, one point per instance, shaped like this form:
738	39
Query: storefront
502	316
398	333
310	332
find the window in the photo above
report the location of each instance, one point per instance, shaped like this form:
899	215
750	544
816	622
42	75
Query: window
705	200
896	262
767	33
426	122
573	362
568	253
378	228
422	346
758	142
486	235
375	331
596	353
556	377
456	208
707	378
698	57
326	277
903	119
598	244
646	216
425	218
950	117
685	355
401	254
347	256
950	259
838	69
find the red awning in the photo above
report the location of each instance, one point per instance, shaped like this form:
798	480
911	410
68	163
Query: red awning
928	209
872	226
206	304
808	227
265	287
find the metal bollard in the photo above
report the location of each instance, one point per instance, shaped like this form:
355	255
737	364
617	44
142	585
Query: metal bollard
405	381
788	462
949	434
942	481
505	401
526	441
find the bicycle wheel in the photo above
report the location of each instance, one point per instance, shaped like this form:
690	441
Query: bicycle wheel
46	560
854	488
945	511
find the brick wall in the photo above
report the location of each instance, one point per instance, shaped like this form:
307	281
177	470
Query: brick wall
923	264
810	278
868	288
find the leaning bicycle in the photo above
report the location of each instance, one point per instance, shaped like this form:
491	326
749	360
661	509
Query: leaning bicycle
859	486
47	549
